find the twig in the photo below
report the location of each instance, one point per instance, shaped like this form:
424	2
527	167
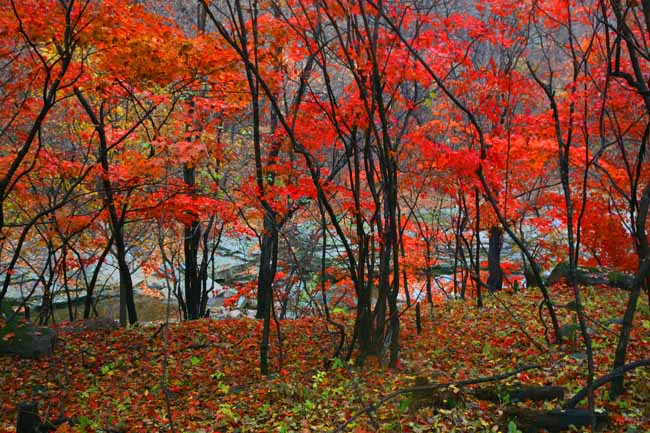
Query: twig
521	327
373	407
155	334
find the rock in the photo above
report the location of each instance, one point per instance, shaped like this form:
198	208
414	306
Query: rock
234	314
90	325
591	277
26	340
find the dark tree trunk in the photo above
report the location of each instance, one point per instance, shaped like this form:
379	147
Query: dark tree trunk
208	256
191	240
266	274
477	264
427	261
495	279
531	276
127	302
268	301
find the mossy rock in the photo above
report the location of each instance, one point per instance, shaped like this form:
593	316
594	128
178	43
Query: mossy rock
22	338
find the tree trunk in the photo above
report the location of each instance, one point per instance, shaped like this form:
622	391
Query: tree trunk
642	281
477	268
427	261
268	301
495	279
192	237
90	286
266	275
127	302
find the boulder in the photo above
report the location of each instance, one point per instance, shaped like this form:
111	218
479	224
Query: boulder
591	277
26	340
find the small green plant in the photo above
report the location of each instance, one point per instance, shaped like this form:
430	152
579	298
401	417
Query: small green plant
226	412
108	369
337	363
223	387
512	428
504	397
318	379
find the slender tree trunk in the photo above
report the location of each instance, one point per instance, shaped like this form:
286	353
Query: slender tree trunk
641	282
66	288
90	288
427	262
191	240
396	240
192	230
265	276
403	256
477	270
268	301
208	256
127	303
457	247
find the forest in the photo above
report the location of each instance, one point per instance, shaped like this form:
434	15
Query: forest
324	216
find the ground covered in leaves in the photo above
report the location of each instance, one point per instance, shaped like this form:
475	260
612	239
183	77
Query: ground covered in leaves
113	380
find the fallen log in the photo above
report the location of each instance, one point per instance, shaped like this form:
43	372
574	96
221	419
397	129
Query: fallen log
519	392
532	421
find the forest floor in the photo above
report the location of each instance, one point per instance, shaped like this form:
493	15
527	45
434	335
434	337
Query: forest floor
113	380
